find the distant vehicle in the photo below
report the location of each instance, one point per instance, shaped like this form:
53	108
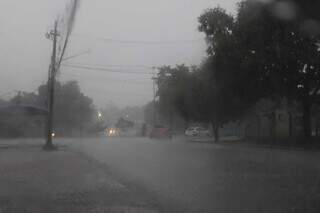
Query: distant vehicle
113	132
124	124
197	131
159	131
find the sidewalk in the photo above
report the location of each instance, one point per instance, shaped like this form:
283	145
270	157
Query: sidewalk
35	181
236	141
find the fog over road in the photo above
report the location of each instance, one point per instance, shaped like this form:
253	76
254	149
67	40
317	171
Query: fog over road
199	177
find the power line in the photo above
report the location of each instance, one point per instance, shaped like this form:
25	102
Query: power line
106	69
109	80
76	55
116	65
126	67
115	93
150	42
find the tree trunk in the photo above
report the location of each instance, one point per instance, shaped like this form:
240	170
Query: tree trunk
171	121
259	136
216	132
290	125
306	120
317	128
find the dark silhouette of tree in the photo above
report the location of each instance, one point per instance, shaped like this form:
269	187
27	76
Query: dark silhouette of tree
259	54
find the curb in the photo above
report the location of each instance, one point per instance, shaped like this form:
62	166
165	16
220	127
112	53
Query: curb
241	143
275	147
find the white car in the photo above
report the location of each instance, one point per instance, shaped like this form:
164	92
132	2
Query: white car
197	131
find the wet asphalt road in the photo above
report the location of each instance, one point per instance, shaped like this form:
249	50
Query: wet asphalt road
199	177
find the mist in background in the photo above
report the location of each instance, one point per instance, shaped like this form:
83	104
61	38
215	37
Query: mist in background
122	38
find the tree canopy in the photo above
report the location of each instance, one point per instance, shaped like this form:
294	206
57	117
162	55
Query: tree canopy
258	53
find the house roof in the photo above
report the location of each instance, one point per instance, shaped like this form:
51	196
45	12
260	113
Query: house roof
22	110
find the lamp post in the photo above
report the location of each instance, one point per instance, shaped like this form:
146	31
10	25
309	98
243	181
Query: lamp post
99	115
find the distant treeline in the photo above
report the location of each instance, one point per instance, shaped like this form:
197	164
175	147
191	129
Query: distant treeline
74	113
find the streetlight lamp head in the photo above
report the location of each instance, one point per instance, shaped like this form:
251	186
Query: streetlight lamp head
48	36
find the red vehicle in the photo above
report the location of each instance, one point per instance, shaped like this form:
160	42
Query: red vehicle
159	131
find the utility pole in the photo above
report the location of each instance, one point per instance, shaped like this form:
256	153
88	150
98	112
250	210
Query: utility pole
154	100
51	84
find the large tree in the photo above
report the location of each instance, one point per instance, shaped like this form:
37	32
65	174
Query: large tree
192	93
174	91
258	54
224	99
286	55
73	111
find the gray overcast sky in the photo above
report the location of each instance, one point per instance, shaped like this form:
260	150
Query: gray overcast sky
25	52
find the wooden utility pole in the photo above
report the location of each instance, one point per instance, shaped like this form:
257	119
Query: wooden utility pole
51	86
154	100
